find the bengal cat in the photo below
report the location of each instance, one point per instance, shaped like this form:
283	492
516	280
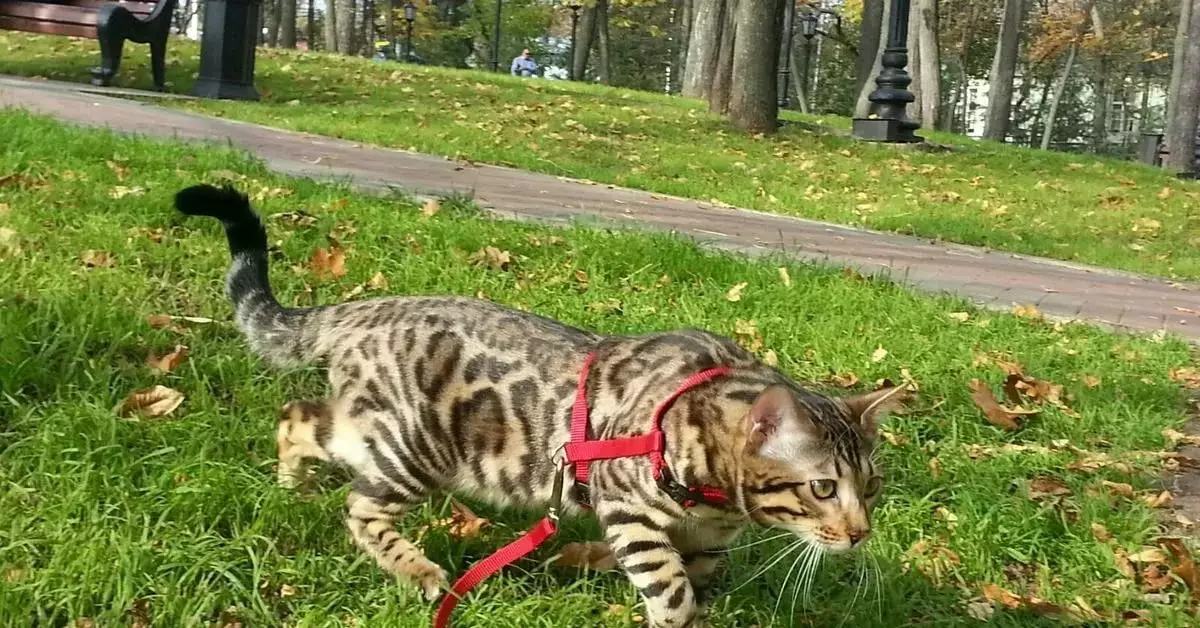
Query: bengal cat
466	395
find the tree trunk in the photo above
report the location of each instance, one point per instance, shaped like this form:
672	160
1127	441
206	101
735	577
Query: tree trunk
799	61
602	42
718	98
1004	68
1060	87
914	57
931	64
366	41
330	26
1185	18
583	43
683	30
879	37
1101	91
272	9
704	47
287	23
1181	136
345	25
874	38
754	102
310	26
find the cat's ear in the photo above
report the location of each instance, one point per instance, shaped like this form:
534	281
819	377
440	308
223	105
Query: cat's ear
777	425
869	409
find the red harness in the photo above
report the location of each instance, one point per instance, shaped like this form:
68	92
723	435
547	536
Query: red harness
580	452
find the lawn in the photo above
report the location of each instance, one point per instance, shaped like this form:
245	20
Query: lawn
177	520
1070	207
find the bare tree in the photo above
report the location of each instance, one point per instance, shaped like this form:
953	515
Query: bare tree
345	25
683	30
604	67
271	7
1181	135
879	37
722	83
1004	69
583	42
330	26
1060	86
754	103
704	44
930	62
287	23
1185	17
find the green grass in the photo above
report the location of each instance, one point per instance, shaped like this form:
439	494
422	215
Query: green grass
180	517
1070	207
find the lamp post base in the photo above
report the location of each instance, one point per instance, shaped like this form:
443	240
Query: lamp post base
885	130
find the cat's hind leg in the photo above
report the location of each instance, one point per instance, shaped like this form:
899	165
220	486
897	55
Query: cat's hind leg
373	508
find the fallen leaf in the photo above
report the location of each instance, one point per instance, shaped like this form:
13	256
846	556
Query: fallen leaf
935	468
845	380
735	293
120	191
960	317
1184	521
1091	381
1101	533
491	257
878	355
785	277
1188	377
996	414
1164	194
770	359
1149	555
227	175
151	402
328	263
1122	563
159	321
1158	500
377	282
1185	566
1042	487
13	575
84	622
594	556
96	259
1001	596
463	522
168	362
431	208
1029	311
617	609
118	169
746	334
1156	577
981	610
1120	488
139	614
287	590
9	245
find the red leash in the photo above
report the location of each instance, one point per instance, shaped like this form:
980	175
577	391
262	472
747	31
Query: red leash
580	452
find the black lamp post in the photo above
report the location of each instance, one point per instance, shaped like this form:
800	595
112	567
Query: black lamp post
574	7
410	16
494	62
785	63
887	120
227	50
808	28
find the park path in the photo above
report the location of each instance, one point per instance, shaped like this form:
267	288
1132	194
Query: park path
992	279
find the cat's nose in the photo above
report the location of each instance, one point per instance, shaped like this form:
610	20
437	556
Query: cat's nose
858	535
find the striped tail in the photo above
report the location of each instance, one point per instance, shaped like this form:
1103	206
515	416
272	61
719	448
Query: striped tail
281	335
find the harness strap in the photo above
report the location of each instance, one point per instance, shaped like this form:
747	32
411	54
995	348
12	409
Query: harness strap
483	569
580	452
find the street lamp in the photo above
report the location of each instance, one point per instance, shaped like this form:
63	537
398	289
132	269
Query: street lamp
785	64
888	120
494	62
410	16
574	7
808	28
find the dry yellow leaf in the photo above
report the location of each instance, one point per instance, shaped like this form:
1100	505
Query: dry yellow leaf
878	355
377	282
96	259
735	293
960	317
169	361
151	402
785	277
1029	311
431	208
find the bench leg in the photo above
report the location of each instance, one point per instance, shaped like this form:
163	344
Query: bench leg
112	24
158	58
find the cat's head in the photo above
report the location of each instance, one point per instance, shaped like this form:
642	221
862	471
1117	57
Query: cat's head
808	463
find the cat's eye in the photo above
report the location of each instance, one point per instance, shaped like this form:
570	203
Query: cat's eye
873	486
823	489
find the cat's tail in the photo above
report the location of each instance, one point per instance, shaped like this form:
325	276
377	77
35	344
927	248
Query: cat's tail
281	335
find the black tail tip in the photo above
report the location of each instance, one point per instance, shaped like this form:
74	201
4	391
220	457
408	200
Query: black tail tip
224	203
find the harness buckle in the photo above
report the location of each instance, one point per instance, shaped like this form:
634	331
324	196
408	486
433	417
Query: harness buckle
556	494
676	491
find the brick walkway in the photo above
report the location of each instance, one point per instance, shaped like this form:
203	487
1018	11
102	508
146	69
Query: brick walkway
992	279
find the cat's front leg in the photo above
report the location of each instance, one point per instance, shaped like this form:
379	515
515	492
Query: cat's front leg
638	536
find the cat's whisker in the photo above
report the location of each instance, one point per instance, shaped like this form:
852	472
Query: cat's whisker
776	537
775	559
801	556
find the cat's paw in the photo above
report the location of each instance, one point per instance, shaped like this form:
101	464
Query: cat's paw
427	576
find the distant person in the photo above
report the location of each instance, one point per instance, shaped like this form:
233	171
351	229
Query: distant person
524	65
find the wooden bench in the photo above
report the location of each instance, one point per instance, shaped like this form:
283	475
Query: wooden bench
111	23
